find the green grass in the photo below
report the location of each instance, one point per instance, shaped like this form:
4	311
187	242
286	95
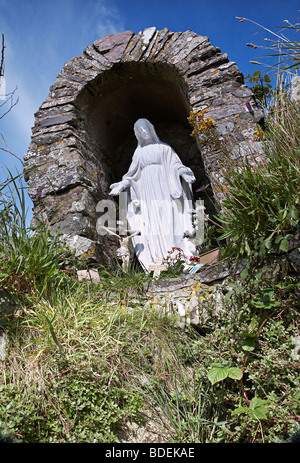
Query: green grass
83	361
82	364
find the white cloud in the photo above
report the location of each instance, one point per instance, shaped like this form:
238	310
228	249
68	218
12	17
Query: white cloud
109	20
22	115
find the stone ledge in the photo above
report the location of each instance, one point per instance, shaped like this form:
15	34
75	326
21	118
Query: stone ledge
207	275
191	297
168	285
215	273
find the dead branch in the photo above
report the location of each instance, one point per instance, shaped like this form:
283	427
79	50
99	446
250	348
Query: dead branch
2	58
9	99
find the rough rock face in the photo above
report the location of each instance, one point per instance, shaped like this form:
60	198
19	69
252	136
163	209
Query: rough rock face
83	140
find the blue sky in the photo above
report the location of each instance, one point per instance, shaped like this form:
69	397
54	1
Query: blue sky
41	35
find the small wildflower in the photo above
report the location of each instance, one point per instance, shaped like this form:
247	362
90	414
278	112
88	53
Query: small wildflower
175	249
195	259
203	187
175	253
249	107
39	193
258	135
200	125
188	234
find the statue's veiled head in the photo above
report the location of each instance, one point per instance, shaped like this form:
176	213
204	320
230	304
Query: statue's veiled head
145	132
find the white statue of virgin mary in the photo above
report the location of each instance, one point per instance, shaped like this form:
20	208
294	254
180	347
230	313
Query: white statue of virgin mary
160	197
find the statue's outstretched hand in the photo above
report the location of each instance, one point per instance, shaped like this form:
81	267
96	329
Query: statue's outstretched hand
187	175
116	188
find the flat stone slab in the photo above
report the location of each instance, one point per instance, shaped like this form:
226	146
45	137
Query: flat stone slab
7	306
214	273
172	284
7	309
209	275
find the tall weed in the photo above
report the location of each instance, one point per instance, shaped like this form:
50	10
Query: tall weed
29	259
262	205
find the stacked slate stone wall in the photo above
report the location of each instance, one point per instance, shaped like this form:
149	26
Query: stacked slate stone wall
82	139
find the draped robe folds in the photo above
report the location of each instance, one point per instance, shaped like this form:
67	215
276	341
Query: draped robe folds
159	203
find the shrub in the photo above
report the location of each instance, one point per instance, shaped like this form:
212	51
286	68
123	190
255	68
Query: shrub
28	259
261	209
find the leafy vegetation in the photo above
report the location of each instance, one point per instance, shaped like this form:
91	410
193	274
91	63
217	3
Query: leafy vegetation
84	362
24	251
261	210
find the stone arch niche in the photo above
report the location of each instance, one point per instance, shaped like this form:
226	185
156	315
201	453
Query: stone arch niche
83	139
109	109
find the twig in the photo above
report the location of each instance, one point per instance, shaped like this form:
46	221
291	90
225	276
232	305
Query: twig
282	37
12	103
7	151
